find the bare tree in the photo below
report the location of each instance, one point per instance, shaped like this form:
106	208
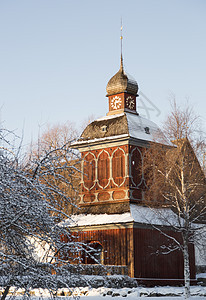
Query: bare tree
177	181
30	216
183	122
56	140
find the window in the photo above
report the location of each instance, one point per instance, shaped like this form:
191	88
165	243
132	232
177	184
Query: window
136	166
118	166
93	253
104	128
89	170
103	168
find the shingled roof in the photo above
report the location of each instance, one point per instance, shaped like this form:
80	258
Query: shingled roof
131	125
122	82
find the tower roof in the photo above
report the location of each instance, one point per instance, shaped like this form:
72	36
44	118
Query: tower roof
122	82
119	125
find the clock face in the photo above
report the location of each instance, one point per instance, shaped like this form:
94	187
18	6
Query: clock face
116	102
130	103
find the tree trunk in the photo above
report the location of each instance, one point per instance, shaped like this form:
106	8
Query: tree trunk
186	268
5	293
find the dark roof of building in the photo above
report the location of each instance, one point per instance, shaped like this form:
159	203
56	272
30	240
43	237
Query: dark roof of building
125	123
122	82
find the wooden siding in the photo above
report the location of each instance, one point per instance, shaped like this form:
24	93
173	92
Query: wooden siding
151	263
104	173
139	250
117	246
116	168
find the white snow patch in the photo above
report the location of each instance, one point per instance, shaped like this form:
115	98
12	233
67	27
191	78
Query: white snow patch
86	220
200	246
153	216
101	139
41	250
137	125
201	275
110	117
139	293
138	214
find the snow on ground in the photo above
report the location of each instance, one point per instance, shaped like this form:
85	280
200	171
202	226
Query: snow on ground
139	293
140	298
201	275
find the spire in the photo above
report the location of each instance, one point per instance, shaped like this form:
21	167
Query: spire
122	82
121	38
121	64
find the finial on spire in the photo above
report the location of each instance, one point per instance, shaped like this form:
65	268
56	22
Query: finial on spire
121	38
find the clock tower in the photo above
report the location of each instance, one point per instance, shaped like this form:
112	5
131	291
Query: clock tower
113	149
122	92
114	217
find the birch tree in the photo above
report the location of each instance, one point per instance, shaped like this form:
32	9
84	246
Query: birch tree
177	181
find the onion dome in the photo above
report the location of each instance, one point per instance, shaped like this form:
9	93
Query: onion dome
122	83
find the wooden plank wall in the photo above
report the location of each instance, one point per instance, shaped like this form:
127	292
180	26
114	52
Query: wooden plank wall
114	242
139	250
151	263
117	245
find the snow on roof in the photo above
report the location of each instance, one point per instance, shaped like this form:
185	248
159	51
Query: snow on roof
101	139
137	214
141	128
136	126
110	117
125	125
154	216
89	220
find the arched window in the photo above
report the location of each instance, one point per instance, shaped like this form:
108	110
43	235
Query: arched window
136	167
89	170
103	168
93	253
118	166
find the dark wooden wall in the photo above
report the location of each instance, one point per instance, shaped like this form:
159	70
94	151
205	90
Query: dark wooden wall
150	262
117	245
140	250
114	242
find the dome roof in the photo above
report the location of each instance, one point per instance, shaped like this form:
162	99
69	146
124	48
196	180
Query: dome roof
122	82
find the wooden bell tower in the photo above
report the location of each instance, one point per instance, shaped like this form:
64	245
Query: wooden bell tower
112	211
112	152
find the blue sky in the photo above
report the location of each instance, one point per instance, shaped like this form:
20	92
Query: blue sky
56	57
